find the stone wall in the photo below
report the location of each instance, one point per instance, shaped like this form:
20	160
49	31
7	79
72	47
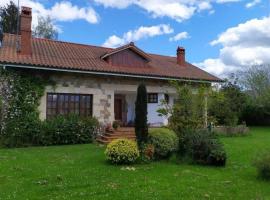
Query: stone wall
103	89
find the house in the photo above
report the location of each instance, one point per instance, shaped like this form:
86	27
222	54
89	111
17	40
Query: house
97	81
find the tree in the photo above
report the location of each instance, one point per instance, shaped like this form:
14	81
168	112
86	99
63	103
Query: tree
141	127
45	28
8	19
256	82
188	112
227	104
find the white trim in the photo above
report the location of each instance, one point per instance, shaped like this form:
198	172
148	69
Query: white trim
107	73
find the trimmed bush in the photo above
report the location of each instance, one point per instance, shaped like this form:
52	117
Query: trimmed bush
67	130
202	147
263	166
164	140
122	151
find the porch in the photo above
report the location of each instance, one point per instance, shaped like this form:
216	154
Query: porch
124	108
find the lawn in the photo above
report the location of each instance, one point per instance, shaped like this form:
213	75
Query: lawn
80	172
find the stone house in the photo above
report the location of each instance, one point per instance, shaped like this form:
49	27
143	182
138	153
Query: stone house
98	81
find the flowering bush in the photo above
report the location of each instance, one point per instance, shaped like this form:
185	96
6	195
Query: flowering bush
122	151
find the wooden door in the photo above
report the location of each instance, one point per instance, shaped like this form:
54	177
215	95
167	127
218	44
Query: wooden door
118	109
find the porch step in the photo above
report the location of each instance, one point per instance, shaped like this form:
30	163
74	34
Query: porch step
123	132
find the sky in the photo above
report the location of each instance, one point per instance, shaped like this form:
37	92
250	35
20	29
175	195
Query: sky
220	36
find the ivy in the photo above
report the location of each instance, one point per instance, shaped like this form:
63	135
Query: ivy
20	95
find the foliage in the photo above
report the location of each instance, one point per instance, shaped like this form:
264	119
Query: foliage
202	147
116	125
20	93
147	152
8	19
256	115
68	130
122	151
165	142
187	113
256	82
227	104
263	165
45	28
141	127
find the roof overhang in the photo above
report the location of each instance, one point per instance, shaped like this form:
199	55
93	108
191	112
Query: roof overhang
109	73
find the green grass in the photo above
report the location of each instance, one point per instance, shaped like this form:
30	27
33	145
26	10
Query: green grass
80	172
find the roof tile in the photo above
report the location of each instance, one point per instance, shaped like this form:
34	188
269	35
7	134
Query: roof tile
64	55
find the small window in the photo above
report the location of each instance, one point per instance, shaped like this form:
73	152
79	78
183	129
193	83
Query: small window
64	104
152	98
166	98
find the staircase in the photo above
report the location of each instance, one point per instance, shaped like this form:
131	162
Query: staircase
122	132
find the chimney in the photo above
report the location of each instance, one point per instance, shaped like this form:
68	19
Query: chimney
181	56
26	34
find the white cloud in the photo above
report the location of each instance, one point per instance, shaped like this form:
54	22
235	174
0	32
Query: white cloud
241	46
178	10
140	33
60	11
253	3
179	36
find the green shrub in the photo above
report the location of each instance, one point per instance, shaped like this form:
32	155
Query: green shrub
116	125
122	151
147	153
263	165
164	140
217	156
202	147
68	130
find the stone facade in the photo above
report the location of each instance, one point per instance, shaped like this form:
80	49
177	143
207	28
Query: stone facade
102	88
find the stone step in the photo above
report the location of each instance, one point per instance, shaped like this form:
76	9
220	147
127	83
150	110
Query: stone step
121	132
105	137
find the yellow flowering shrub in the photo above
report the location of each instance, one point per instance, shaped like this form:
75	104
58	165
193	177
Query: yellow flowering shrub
122	151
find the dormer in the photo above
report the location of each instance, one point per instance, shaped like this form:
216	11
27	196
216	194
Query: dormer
127	55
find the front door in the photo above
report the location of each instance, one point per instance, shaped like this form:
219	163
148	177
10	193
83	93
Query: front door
118	112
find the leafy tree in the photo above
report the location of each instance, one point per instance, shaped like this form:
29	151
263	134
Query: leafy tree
45	28
256	82
228	104
141	127
8	19
188	111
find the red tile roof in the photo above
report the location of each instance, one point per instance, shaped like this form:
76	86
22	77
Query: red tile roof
65	55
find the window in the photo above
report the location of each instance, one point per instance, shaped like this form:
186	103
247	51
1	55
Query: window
166	98
64	104
152	97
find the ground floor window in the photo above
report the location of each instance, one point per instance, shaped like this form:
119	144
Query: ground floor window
64	104
152	98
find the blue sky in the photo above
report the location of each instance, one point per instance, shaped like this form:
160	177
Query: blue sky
152	25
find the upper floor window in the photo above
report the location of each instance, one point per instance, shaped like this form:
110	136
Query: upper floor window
64	104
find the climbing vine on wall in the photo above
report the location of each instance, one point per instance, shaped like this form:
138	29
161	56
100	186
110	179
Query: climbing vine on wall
20	95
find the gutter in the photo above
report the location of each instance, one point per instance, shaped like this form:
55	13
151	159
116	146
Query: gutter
107	73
